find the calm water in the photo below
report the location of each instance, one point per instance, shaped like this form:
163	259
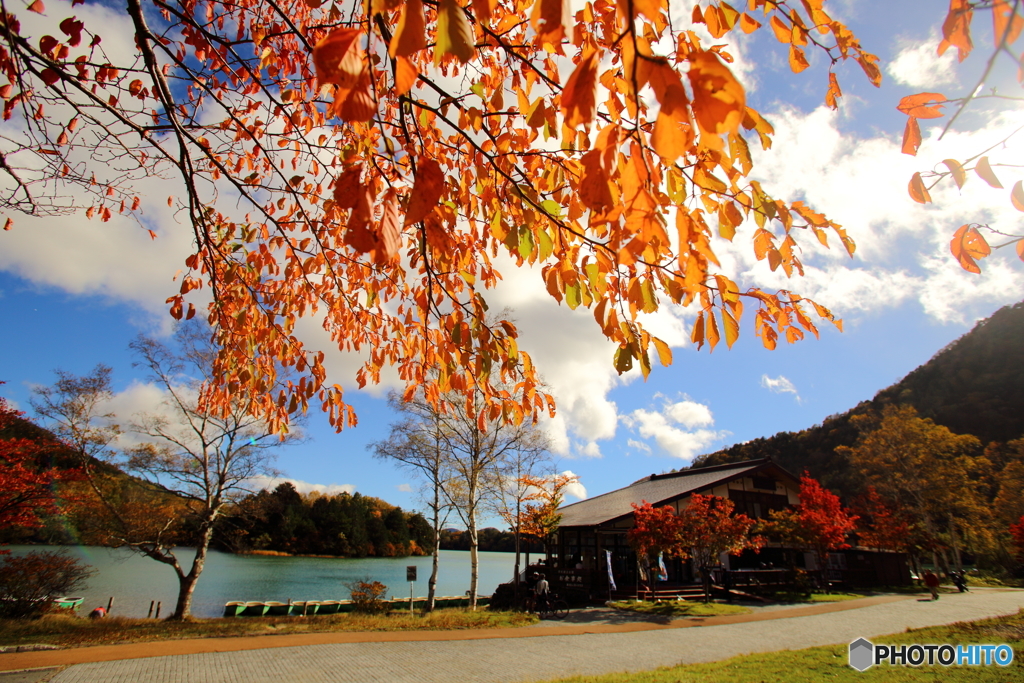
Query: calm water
134	580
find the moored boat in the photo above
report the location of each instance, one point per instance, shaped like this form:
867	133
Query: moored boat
254	609
68	603
234	608
328	607
277	609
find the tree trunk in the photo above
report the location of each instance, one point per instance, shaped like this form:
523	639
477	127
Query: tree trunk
187	582
474	559
432	583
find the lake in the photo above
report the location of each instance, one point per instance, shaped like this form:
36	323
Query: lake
134	580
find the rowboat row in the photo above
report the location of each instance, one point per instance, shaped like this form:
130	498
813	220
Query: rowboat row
308	608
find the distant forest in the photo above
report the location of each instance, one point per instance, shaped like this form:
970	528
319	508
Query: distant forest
973	386
344	525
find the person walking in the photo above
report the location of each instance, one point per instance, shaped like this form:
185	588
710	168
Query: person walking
932	582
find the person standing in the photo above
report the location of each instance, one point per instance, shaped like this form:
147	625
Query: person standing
932	582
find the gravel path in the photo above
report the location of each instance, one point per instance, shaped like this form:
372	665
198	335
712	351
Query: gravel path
531	654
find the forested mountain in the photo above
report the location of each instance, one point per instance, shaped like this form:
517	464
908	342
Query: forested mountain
282	520
973	386
350	525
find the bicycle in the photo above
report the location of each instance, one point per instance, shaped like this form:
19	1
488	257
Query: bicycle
552	607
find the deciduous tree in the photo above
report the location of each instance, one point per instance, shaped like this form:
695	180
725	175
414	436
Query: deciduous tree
191	463
378	166
927	470
28	484
819	523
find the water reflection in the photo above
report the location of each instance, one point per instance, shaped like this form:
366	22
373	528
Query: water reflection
134	581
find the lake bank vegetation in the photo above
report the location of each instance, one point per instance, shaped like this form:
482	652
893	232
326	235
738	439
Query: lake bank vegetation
72	631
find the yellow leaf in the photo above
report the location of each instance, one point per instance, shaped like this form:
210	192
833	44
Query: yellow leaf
984	170
957	171
454	34
713	336
698	331
1017	196
664	352
732	327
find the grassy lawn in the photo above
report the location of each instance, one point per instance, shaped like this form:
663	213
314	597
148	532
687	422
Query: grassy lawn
681	608
830	663
73	631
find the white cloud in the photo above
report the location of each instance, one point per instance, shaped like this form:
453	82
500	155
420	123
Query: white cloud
575	489
902	247
779	385
639	445
672	428
918	64
270	483
405	488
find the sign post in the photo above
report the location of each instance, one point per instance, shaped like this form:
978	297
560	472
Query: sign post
410	576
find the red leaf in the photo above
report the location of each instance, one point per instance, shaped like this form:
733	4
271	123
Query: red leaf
338	58
956	29
426	191
49	76
347	186
37	7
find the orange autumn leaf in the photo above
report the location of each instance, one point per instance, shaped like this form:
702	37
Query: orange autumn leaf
718	98
956	29
358	103
918	191
405	75
967	247
390	232
926	105
797	59
1017	196
347	187
1007	23
339	57
426	191
454	34
834	93
985	172
911	137
671	136
957	171
579	96
552	20
411	33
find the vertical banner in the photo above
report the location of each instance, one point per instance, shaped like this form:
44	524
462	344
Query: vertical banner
611	579
662	572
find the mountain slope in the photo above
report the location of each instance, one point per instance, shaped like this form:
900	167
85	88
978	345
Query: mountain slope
973	386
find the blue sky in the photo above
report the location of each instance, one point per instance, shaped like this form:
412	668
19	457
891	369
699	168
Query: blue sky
74	293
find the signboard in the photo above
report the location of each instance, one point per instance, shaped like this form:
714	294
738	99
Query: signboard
410	573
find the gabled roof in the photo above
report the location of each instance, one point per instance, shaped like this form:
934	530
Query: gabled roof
657	489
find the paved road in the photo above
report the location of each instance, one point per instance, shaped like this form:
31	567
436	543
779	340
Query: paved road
550	654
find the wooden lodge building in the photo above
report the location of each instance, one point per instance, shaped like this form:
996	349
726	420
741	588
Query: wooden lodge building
578	558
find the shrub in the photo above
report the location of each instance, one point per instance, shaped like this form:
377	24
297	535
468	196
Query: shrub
368	596
29	583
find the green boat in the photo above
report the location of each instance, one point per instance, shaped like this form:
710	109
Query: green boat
68	603
304	608
234	609
346	606
254	609
328	607
277	609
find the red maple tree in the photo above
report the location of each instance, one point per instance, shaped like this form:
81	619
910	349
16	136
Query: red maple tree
702	531
819	523
883	524
26	485
1017	531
